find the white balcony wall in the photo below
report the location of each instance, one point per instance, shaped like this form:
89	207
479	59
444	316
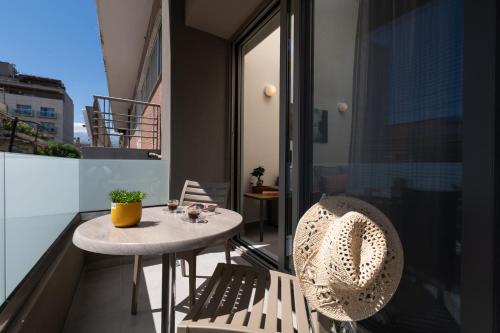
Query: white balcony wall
99	177
2	227
39	197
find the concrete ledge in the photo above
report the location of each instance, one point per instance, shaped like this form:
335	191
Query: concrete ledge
117	153
49	304
42	300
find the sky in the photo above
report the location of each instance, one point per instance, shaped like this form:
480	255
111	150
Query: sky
57	39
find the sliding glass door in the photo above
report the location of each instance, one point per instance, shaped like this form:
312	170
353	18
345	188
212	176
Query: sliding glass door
387	128
382	119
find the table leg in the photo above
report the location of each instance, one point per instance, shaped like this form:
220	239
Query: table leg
261	222
136	281
168	293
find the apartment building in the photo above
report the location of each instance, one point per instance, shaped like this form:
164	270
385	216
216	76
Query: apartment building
40	100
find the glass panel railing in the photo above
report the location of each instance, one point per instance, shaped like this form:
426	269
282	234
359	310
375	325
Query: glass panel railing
2	227
40	195
99	177
41	198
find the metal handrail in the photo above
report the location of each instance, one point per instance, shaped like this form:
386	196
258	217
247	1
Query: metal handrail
117	99
122	114
126	122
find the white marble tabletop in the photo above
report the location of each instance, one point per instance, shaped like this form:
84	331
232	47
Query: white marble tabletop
158	232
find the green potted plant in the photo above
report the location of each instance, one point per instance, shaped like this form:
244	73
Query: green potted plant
126	207
258	172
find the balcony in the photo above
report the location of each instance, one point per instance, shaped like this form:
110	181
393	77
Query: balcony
135	124
49	128
23	112
47	114
42	199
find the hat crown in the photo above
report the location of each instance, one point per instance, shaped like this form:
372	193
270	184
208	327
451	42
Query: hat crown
352	252
342	244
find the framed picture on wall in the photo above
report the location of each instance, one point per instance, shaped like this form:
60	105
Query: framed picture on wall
320	126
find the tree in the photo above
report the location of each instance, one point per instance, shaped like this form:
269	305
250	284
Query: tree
60	150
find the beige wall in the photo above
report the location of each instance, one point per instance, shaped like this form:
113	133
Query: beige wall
68	120
260	116
333	75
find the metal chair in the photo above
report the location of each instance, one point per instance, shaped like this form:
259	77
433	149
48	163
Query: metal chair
192	192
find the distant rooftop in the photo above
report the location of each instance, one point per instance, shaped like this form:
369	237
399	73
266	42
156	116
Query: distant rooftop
9	71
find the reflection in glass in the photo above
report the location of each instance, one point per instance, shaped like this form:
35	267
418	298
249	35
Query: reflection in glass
398	67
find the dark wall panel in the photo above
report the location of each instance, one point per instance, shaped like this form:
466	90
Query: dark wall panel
199	110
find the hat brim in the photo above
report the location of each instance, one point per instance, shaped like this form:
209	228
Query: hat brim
334	301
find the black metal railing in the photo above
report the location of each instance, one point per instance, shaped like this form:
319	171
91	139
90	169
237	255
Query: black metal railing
15	128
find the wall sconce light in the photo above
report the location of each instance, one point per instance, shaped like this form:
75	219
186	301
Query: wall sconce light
270	90
342	107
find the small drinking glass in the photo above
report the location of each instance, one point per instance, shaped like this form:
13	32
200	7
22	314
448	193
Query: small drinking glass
172	205
193	213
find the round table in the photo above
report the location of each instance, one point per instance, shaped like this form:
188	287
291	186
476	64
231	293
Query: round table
160	232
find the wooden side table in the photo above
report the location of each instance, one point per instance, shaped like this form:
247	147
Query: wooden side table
261	198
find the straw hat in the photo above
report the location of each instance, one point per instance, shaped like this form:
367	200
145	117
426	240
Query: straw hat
348	258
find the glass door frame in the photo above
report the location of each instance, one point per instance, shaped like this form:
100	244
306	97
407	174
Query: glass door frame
263	16
480	297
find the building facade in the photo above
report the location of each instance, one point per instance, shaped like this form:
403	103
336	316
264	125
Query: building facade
149	87
95	126
38	100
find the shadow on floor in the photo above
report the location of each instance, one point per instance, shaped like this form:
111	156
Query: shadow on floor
102	300
183	305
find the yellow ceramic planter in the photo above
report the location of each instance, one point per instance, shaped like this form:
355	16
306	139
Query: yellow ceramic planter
126	214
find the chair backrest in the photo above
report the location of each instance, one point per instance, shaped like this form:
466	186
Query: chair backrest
195	192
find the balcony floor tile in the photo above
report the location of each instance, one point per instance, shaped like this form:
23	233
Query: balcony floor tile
102	299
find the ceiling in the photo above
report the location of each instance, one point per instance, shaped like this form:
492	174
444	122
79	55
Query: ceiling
221	18
123	26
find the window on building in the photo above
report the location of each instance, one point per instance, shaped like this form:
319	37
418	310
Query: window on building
47	112
49	127
24	110
152	68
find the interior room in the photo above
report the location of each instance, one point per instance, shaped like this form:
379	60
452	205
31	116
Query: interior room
260	139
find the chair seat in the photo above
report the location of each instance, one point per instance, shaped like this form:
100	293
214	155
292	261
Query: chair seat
247	299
